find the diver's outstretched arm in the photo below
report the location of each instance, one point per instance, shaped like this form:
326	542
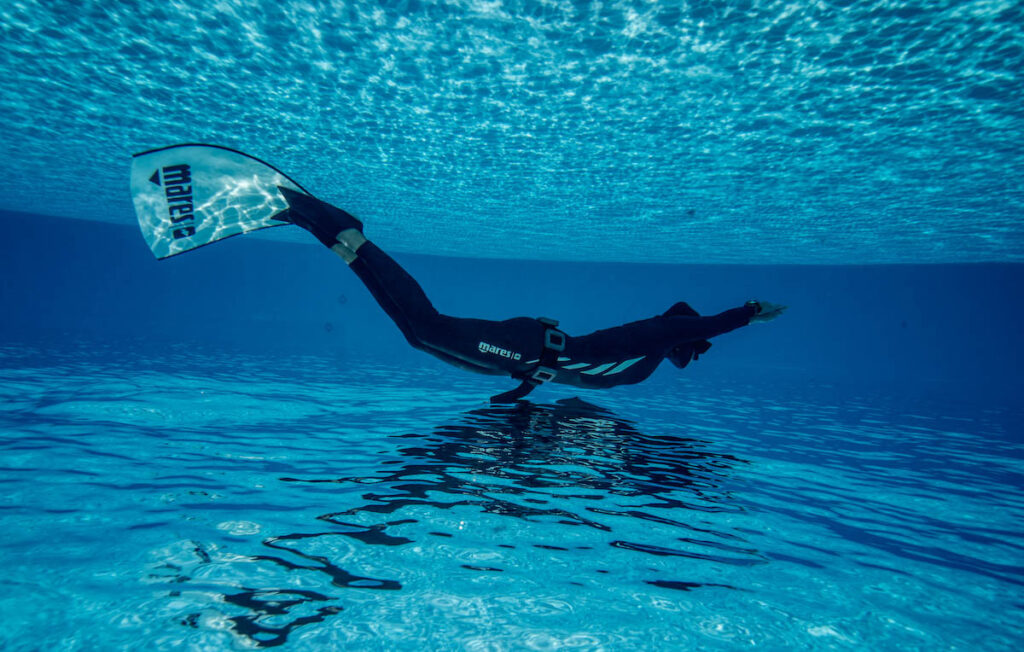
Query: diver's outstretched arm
766	311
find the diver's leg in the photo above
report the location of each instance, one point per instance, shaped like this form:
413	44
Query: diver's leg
452	339
395	290
455	340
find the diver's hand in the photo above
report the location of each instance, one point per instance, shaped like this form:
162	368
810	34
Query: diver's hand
766	311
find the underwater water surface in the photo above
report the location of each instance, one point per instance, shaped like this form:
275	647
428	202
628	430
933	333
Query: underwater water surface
235	501
735	131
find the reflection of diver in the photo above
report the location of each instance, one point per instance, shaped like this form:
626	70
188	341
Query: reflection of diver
567	464
529	462
530	350
508	459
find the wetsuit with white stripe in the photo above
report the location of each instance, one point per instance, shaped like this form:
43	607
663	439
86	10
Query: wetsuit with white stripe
630	353
615	356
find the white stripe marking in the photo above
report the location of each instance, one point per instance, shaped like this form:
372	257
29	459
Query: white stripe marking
625	365
578	365
599	369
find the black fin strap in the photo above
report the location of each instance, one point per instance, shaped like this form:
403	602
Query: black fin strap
514	395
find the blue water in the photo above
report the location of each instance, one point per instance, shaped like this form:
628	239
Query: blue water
158	501
236	448
734	131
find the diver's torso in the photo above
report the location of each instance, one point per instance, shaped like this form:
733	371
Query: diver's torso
513	347
583	364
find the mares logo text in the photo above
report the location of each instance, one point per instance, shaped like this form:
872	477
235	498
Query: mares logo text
484	347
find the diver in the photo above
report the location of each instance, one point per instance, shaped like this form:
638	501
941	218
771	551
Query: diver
533	351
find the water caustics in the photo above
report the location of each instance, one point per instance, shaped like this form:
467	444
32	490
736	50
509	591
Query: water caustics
739	131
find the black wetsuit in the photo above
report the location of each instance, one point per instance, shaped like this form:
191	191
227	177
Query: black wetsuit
615	356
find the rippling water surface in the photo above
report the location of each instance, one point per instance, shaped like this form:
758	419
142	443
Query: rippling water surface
747	131
235	501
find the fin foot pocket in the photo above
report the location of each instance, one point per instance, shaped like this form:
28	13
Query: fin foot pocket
318	217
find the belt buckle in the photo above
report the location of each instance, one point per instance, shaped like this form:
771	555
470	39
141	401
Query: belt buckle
543	374
550	335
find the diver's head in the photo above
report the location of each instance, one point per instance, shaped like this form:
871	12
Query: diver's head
681	355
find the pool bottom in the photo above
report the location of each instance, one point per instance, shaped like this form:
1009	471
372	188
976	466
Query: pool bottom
241	501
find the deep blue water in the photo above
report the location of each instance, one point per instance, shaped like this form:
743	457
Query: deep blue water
235	448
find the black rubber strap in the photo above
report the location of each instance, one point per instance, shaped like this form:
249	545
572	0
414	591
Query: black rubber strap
514	395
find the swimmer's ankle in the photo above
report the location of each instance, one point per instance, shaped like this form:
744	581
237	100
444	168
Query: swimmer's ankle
352	239
348	244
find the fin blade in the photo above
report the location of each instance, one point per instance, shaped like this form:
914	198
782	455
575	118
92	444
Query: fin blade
207	193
